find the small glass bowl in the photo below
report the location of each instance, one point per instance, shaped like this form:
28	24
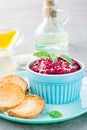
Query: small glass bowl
11	41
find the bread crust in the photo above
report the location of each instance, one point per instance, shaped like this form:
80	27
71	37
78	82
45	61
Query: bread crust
15	79
30	107
10	95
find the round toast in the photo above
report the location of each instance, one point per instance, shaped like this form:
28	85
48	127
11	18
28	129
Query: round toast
10	95
15	79
30	107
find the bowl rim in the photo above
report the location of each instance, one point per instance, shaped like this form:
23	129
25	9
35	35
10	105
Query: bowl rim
57	75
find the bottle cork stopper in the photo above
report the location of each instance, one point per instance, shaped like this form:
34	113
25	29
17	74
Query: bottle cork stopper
49	9
49	3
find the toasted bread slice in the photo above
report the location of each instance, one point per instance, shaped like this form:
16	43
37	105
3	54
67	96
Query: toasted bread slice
10	95
30	107
15	79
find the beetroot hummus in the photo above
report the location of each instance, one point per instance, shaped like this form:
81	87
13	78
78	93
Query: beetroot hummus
47	66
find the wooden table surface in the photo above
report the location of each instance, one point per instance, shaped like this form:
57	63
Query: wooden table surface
26	16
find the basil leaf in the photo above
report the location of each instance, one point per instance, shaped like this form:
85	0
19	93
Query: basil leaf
66	58
42	54
55	114
53	57
46	54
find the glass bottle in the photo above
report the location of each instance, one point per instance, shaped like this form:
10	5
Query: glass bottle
51	35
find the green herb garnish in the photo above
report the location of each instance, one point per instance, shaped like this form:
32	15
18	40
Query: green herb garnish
53	56
55	114
66	58
46	54
42	54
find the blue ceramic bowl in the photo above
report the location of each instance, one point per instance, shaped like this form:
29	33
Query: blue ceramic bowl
56	89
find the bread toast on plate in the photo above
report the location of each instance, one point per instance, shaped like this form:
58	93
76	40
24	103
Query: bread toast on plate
10	95
15	79
30	107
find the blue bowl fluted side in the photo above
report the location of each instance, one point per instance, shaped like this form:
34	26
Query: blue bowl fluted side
56	93
56	89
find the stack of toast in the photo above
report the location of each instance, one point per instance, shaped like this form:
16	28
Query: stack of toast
15	101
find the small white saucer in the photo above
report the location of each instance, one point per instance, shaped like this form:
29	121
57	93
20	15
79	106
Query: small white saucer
21	59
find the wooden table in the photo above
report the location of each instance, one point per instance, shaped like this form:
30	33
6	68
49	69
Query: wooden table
26	16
